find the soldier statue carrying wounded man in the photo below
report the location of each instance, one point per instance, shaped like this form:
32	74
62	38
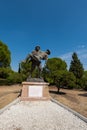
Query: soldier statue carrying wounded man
35	58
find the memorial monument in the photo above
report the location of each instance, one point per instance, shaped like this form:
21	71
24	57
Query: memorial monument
34	88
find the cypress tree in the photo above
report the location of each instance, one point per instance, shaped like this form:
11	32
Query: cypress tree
76	66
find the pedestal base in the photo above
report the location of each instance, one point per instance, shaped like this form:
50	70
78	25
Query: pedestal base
32	91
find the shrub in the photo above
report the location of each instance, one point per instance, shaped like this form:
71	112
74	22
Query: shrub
4	72
3	81
68	80
14	78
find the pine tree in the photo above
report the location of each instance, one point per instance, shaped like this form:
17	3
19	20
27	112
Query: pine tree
76	66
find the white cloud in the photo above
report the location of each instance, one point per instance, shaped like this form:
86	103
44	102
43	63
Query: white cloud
82	55
66	56
81	46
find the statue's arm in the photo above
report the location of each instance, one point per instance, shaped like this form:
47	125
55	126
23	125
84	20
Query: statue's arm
27	58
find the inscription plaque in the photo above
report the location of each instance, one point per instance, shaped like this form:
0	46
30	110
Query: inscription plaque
35	91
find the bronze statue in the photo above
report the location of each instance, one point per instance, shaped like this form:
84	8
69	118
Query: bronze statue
35	58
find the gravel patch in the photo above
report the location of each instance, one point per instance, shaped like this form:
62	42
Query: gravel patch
39	115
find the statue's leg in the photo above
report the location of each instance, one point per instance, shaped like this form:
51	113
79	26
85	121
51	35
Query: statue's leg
32	68
40	70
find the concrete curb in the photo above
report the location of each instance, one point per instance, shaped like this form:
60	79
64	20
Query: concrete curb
9	105
69	109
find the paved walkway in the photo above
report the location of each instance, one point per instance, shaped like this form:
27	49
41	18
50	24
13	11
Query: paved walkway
39	115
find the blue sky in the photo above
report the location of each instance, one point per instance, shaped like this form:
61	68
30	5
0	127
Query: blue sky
58	25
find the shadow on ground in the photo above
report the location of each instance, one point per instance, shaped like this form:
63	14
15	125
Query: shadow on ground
84	94
55	92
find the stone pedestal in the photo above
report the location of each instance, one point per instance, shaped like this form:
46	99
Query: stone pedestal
32	91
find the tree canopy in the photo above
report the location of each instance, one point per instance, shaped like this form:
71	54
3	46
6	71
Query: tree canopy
5	55
52	68
54	64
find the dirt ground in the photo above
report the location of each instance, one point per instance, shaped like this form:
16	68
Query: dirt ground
75	99
9	94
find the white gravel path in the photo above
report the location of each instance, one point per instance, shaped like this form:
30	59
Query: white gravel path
39	115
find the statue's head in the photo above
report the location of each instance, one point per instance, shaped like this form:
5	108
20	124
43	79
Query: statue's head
37	48
48	52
